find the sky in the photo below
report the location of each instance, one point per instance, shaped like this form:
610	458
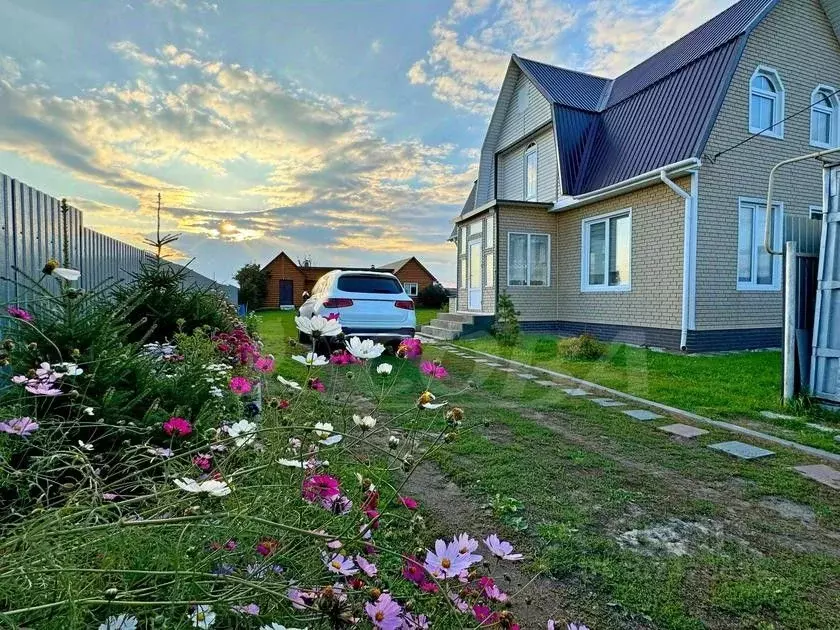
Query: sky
346	131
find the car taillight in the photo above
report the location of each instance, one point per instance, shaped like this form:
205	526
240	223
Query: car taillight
406	304
338	303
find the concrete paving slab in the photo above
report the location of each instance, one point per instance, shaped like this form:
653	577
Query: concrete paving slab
777	416
547	383
642	414
741	450
576	392
494	365
526	376
683	430
821	473
607	402
822	427
507	370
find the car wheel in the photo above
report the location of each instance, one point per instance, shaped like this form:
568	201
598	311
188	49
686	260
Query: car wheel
304	338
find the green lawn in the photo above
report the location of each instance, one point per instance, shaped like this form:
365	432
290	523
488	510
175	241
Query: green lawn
735	386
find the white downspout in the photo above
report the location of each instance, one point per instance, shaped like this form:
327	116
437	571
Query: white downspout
688	250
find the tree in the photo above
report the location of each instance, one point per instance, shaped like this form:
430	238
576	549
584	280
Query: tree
506	326
253	286
433	296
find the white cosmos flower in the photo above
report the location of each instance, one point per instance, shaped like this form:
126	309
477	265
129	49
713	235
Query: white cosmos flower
212	487
120	622
70	369
67	274
85	446
324	430
291	463
289	384
202	617
318	326
88	411
426	401
384	368
366	349
366	422
277	626
311	359
243	432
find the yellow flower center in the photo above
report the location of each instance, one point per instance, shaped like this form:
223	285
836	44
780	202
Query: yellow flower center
445	563
199	616
336	564
379	615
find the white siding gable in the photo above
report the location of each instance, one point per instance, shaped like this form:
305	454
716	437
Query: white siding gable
511	163
517	123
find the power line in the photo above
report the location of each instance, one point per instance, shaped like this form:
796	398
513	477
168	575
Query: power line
776	124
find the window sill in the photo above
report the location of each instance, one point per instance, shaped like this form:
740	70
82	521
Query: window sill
757	288
619	289
822	145
768	134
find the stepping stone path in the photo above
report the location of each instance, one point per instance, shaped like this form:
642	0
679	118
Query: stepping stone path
607	402
642	414
821	473
507	370
741	450
777	416
822	427
576	392
494	365
547	383
526	376
683	430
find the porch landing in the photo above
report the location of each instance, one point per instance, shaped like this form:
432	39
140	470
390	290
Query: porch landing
449	326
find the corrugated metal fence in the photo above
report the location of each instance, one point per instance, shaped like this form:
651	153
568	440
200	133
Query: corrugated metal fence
33	230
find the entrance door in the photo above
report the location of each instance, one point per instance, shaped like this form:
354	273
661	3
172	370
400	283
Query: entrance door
474	284
287	295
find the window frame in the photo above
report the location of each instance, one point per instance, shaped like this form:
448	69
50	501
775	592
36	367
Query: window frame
586	225
490	231
815	213
531	149
761	206
406	286
490	270
778	97
833	111
523	98
528	284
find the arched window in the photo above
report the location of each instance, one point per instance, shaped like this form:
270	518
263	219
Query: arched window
824	117
767	103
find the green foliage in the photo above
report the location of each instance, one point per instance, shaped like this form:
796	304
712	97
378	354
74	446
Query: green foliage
581	348
253	286
433	296
162	305
506	326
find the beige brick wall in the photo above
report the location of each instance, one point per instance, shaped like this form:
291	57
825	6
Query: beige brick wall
796	40
656	258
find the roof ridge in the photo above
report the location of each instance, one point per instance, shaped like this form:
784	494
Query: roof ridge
564	68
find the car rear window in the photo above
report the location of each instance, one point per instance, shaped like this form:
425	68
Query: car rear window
369	284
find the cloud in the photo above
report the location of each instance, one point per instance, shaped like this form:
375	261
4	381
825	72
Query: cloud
376	46
241	157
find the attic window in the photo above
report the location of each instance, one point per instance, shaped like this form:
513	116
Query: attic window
824	117
523	98
767	103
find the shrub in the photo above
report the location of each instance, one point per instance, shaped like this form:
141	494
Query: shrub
433	296
506	325
582	348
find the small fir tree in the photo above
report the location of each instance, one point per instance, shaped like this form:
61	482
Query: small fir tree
506	326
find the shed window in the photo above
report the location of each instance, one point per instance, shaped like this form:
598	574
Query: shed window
410	288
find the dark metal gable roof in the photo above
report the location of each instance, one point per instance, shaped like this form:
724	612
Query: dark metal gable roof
655	114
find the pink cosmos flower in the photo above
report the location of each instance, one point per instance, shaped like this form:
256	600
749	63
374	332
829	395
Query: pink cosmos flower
317	385
459	603
429	587
110	496
410	348
240	385
343	357
576	626
247	609
340	564
413	571
491	589
466	546
203	461
19	379
19	313
230	545
266	547
445	561
177	426
418	622
264	364
24	427
385	613
435	371
368	567
484	615
333	316
501	548
42	388
319	487
408	502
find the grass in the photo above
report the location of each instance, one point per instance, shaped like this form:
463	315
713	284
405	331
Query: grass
566	478
734	386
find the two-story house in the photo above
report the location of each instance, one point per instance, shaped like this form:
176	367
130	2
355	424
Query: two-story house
633	208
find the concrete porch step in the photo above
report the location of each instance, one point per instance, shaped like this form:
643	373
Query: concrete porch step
439	333
449	324
464	318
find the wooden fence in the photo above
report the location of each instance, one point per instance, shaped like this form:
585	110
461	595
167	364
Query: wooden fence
33	229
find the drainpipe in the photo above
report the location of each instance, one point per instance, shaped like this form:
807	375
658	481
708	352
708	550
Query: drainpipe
688	249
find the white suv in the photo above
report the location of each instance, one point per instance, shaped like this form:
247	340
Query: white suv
370	305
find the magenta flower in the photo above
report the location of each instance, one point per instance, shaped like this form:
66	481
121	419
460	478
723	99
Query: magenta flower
340	564
445	561
264	364
484	615
435	371
491	590
319	487
177	426
343	358
19	313
317	385
333	316
385	613
413	571
240	385
408	502
203	461
410	348
501	548
247	609
24	427
368	567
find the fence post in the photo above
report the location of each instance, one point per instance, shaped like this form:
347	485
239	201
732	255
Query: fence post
789	342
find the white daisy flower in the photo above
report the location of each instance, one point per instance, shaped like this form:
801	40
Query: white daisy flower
364	422
367	349
289	384
311	359
202	617
212	487
120	622
318	326
67	274
384	368
324	430
243	431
